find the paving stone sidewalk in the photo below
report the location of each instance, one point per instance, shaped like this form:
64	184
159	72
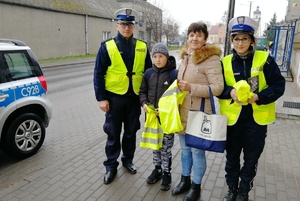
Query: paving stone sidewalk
80	175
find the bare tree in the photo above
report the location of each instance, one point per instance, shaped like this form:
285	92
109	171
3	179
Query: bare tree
170	30
162	24
224	18
152	17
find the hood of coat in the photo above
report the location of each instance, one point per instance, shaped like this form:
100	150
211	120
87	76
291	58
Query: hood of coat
203	53
171	64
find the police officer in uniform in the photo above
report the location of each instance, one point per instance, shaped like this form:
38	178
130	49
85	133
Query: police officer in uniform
247	122
120	64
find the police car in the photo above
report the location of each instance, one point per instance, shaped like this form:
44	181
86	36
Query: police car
25	110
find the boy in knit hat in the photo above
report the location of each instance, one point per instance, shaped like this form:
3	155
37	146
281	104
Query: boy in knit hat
155	82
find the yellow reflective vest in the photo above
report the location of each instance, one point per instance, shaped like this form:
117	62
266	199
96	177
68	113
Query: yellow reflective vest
262	114
153	135
116	80
168	109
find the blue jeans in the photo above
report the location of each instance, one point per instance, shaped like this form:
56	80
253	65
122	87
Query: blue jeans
192	158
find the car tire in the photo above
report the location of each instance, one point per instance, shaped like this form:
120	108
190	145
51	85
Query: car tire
25	136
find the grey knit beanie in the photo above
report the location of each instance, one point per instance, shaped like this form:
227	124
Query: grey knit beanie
160	48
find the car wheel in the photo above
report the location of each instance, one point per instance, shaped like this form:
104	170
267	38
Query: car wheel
25	136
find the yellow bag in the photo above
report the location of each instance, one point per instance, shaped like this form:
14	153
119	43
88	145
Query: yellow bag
168	109
243	91
152	136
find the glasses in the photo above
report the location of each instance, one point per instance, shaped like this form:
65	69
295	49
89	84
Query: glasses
124	25
243	40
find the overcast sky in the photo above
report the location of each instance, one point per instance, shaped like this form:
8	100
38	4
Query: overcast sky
188	11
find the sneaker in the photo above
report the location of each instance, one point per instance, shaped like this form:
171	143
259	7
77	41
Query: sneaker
166	181
155	176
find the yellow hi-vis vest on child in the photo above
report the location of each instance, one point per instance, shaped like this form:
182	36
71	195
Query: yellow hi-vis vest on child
153	135
168	109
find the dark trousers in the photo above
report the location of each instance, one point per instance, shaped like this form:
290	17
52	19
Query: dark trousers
124	110
249	137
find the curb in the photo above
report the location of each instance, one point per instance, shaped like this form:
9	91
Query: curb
65	63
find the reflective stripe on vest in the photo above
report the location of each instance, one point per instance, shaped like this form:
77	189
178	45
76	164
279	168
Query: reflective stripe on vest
168	108
262	114
116	80
152	137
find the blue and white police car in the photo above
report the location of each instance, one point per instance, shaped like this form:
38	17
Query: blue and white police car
25	110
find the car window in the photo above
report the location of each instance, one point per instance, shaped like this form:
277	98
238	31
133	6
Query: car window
18	65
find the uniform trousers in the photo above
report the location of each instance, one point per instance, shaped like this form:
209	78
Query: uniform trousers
247	136
124	112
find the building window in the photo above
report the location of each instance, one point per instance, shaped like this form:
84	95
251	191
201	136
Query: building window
106	35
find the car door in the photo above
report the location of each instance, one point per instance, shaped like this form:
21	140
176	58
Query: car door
7	94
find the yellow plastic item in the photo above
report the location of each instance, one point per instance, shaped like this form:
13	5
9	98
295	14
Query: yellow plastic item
168	109
152	136
243	91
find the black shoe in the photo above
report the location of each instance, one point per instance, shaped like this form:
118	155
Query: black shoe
242	196
184	185
166	181
231	194
155	176
130	167
109	176
194	193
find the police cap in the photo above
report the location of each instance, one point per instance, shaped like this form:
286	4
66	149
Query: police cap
126	15
242	25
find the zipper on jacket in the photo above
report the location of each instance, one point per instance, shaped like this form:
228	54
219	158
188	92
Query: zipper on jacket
156	88
245	68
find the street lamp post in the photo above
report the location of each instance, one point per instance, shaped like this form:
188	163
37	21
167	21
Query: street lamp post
227	46
250	7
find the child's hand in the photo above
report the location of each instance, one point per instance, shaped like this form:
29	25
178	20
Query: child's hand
145	108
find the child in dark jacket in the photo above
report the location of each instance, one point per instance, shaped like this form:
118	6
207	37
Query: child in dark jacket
155	82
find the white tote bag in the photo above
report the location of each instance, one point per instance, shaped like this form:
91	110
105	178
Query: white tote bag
206	131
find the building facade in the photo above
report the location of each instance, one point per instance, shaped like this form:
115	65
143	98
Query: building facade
217	34
62	28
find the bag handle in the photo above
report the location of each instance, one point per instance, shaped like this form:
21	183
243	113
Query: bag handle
212	102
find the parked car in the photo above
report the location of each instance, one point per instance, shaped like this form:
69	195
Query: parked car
261	47
25	110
